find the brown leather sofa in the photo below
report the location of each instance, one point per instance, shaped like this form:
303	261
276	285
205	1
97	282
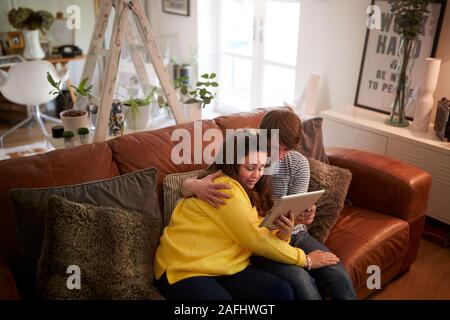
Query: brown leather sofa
382	226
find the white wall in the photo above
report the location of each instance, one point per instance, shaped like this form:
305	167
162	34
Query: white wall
331	40
443	53
331	44
176	35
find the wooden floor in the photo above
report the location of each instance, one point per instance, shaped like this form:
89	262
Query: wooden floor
428	277
24	135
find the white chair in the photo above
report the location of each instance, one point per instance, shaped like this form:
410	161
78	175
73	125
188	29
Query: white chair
27	85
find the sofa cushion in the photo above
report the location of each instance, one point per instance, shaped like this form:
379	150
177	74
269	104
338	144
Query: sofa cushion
311	141
362	238
154	149
135	191
172	190
56	168
244	119
335	181
112	247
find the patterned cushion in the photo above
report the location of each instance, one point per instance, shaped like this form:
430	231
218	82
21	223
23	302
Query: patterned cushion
109	252
172	190
336	182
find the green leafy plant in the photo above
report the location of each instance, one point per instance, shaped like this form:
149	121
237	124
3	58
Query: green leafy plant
82	89
200	93
135	103
410	16
26	18
68	134
56	90
83	130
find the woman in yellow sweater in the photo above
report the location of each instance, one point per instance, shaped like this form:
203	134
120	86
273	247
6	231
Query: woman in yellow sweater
204	252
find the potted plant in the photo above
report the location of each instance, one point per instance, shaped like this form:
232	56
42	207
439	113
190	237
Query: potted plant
84	102
68	138
72	119
197	98
84	135
409	19
137	111
30	22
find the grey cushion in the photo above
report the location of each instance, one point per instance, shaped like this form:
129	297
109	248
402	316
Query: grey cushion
172	190
311	141
113	249
135	191
336	182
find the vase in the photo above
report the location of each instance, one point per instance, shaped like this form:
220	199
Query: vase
407	53
137	118
74	119
116	119
424	104
192	111
33	49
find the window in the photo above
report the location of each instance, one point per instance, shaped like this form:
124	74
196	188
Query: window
256	52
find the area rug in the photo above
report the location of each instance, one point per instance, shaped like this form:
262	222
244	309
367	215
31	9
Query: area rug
26	150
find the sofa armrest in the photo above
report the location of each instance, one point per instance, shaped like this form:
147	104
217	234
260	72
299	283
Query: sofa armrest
8	289
383	184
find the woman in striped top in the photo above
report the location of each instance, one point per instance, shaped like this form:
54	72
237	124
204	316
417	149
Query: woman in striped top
290	177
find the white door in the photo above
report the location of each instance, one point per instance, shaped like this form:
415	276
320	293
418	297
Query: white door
257	52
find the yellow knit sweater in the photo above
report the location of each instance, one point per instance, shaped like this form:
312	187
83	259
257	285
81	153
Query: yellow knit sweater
204	241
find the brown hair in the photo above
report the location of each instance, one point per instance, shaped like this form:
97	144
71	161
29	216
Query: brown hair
261	195
288	124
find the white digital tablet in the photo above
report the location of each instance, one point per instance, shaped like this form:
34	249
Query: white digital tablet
295	202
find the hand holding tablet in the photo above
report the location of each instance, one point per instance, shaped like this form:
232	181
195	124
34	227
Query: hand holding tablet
297	203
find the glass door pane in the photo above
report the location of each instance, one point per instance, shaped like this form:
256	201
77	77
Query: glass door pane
235	82
236	26
281	32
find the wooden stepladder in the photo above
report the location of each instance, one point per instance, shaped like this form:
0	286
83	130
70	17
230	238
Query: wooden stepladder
122	30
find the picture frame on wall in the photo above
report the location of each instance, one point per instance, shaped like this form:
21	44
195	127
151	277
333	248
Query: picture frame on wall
15	40
178	7
377	75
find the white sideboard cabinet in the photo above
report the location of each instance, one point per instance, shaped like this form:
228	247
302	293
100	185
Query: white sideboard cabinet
362	129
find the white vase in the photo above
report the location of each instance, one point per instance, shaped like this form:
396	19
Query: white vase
424	102
139	120
192	111
33	49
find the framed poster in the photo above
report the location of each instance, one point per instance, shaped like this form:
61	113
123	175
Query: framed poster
180	7
377	75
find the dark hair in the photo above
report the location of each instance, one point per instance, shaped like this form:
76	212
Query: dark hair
288	124
261	195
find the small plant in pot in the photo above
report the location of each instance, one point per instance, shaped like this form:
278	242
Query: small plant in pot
84	102
68	138
72	119
137	111
197	98
84	135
